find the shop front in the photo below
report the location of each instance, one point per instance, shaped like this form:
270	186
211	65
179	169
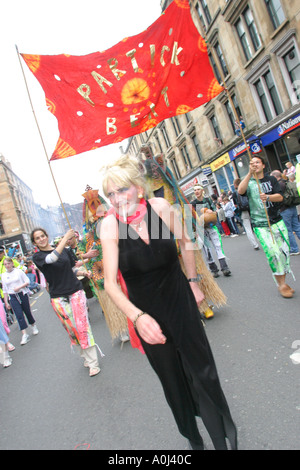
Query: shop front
223	172
282	144
279	146
201	176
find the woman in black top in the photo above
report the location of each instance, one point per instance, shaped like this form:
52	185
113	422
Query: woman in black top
138	238
67	296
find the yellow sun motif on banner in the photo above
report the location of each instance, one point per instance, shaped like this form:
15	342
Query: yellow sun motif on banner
51	106
118	139
183	108
183	4
63	149
33	61
214	89
135	91
202	44
149	125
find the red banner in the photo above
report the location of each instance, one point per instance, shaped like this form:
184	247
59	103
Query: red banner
106	97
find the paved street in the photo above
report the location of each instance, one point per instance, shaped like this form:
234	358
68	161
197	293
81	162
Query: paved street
48	401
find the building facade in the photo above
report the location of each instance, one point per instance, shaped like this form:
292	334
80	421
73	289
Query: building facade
253	47
18	211
19	214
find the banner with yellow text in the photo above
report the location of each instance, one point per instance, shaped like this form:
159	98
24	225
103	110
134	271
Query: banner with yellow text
106	97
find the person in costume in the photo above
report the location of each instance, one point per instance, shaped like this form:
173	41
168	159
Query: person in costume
274	240
212	236
73	249
67	296
160	182
138	239
94	210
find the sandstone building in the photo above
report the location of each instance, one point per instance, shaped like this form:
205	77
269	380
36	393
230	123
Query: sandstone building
254	50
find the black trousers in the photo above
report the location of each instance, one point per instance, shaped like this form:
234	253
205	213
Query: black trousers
21	307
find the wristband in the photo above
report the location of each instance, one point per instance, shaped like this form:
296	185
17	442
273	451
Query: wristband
137	317
195	279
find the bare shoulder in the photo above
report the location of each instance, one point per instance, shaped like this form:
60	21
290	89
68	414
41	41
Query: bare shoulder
109	227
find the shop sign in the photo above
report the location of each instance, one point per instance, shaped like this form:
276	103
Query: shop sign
189	185
219	162
237	151
284	128
254	146
206	170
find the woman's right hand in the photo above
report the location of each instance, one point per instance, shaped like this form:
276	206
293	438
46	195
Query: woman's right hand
150	330
70	234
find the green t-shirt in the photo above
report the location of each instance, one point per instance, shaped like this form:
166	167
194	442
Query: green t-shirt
268	185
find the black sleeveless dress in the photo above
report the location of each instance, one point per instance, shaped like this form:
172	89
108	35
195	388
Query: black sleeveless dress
184	364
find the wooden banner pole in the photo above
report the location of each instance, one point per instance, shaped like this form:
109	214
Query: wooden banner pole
48	161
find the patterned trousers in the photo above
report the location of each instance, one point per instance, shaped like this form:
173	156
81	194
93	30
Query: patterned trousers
277	252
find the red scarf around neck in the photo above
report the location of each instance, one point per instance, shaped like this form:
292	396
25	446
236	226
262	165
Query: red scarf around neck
136	217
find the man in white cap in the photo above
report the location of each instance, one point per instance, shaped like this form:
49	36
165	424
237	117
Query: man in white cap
212	236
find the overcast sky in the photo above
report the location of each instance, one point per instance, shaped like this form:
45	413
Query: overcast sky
56	27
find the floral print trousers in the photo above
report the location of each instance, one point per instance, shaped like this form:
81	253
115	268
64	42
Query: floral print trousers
72	312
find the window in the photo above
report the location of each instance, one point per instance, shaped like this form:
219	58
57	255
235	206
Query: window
273	92
291	60
2	231
244	40
175	168
197	146
165	136
188	117
221	59
158	143
206	11
276	12
204	14
252	29
230	114
222	63
176	125
288	56
268	96
186	158
216	129
248	33
264	89
215	68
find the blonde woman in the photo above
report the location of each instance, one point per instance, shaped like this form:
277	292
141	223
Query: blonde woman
138	238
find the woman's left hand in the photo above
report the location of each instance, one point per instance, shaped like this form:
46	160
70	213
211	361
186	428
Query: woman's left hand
199	296
88	274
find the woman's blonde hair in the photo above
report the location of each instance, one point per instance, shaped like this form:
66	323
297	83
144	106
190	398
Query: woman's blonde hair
123	172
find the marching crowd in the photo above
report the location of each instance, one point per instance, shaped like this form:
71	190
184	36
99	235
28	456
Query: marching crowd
264	207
